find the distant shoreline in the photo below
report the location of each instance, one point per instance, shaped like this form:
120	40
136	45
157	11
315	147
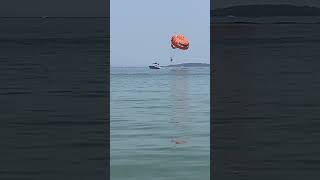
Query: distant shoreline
174	65
189	65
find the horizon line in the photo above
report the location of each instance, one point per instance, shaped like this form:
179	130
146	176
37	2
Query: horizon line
148	66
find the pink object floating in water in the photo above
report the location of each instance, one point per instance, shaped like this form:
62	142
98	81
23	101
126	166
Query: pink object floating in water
177	141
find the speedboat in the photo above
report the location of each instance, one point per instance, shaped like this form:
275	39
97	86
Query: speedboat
155	66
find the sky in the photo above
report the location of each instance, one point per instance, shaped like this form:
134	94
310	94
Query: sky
141	31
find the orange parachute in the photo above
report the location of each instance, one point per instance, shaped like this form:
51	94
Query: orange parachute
180	42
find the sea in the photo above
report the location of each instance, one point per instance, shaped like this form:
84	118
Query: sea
266	106
160	123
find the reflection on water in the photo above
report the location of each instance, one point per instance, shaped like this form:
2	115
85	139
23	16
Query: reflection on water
180	106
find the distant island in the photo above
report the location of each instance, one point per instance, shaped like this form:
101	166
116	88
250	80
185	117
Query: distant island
189	65
266	10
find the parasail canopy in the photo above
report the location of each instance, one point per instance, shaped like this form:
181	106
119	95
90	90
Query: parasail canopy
179	41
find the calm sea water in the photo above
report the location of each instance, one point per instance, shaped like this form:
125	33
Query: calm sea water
54	98
160	123
266	105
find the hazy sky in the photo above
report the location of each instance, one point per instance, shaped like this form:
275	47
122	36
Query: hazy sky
141	31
